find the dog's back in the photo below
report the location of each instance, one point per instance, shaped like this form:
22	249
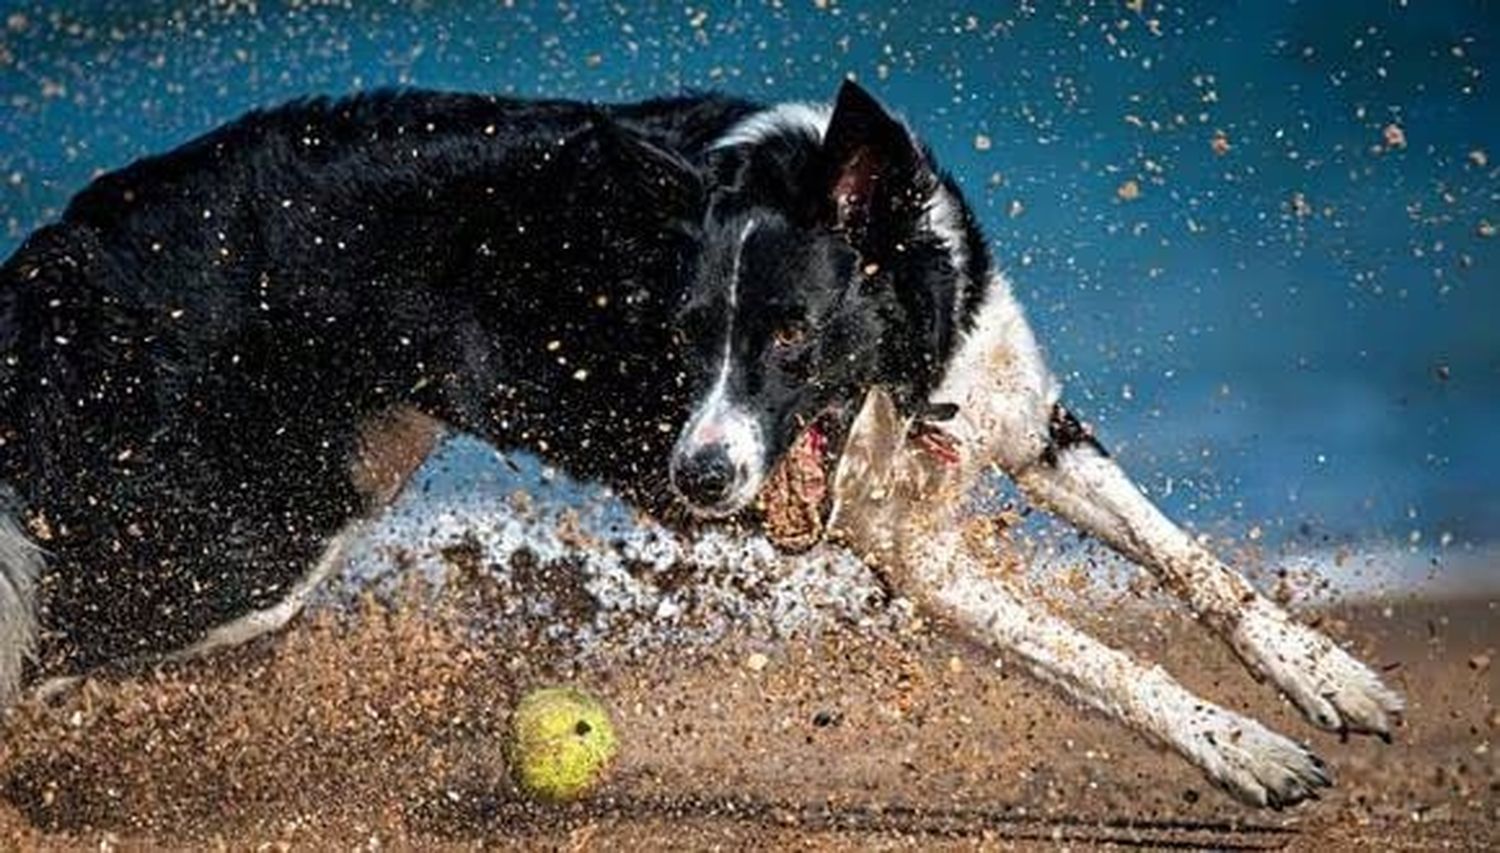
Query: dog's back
187	357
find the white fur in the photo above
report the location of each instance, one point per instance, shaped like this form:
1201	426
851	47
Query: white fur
719	420
945	221
20	566
1331	688
1001	385
899	507
790	117
1254	763
1005	396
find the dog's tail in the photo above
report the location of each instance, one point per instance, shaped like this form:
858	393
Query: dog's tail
20	568
48	259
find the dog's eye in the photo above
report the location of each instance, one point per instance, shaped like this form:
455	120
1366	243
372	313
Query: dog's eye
789	335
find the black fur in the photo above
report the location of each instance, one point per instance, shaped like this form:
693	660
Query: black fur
1064	430
187	356
842	284
189	353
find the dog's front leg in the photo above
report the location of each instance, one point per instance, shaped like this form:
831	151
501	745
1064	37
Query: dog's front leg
1240	755
1008	415
1075	480
900	509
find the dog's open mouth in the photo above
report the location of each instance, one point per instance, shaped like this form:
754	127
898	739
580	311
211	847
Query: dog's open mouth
796	499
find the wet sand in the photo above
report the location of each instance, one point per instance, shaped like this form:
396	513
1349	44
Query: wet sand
384	729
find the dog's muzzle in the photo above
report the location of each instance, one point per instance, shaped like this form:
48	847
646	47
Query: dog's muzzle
719	462
706	478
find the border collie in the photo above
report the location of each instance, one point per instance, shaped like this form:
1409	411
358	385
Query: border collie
842	260
205	364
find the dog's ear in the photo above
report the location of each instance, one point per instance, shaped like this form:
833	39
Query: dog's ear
871	167
669	184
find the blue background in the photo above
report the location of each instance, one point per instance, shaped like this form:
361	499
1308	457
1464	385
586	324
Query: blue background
1298	334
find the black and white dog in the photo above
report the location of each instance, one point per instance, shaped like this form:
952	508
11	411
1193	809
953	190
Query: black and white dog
204	364
838	259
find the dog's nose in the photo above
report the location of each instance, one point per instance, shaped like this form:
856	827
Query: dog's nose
707	477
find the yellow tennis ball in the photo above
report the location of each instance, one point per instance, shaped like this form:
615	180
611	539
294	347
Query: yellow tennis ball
561	743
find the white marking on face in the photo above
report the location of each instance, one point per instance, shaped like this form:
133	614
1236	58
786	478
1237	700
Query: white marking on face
718	420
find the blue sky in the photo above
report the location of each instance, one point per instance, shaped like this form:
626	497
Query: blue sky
1294	328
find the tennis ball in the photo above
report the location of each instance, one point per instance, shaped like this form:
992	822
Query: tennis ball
561	743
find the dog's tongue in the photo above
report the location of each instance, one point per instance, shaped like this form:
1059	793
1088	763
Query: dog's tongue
814	443
792	498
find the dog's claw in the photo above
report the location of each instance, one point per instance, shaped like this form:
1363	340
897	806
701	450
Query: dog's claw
1259	766
1332	689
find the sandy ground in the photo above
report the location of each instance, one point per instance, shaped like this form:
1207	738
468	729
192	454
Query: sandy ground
384	729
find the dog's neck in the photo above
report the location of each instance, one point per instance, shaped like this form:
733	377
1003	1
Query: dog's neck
1000	384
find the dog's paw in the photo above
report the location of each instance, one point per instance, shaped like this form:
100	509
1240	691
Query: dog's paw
1253	763
1335	691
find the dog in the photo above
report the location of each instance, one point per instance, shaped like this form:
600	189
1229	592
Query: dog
846	262
202	361
204	364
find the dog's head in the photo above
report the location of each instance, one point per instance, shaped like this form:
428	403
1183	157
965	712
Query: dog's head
833	257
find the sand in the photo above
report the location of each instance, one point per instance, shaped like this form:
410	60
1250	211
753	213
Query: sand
382	727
